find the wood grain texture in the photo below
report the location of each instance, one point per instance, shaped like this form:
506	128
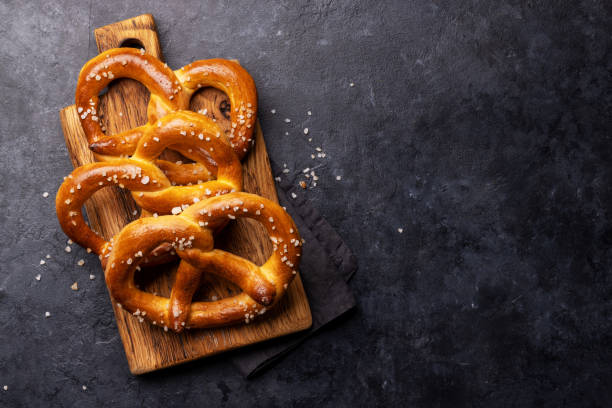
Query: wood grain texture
148	347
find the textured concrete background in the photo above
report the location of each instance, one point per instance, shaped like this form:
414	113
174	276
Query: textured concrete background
481	128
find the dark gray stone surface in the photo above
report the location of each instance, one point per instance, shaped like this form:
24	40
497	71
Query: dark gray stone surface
481	128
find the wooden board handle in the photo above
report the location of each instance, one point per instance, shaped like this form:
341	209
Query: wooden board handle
135	32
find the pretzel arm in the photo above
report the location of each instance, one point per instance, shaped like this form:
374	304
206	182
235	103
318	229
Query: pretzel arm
235	269
168	200
184	173
161	255
185	285
239	308
120	144
199	155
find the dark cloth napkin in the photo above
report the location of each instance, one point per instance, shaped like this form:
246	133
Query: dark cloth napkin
325	268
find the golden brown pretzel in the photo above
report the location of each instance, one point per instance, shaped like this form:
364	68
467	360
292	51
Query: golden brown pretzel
150	187
170	91
190	233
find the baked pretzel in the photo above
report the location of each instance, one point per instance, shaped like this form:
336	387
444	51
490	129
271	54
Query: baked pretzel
170	91
191	235
151	188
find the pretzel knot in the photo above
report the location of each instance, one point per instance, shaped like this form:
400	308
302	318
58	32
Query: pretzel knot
151	188
190	233
170	91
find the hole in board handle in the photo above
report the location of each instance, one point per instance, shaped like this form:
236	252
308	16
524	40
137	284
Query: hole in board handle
132	43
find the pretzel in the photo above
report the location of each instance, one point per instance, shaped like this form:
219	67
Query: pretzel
150	187
170	91
190	233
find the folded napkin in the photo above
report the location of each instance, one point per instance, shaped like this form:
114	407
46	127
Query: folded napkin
325	268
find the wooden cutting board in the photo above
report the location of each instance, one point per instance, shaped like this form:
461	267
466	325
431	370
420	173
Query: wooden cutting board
148	347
